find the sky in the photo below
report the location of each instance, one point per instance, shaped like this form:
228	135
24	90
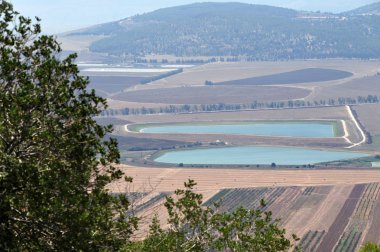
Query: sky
65	15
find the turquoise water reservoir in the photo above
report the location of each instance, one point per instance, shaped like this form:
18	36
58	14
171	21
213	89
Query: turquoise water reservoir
255	155
310	130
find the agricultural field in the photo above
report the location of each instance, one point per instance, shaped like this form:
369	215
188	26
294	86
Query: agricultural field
220	72
369	116
107	85
345	130
331	206
329	210
305	81
324	113
108	80
213	95
363	86
308	75
166	179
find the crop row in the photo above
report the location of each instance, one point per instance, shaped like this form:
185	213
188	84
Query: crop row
249	198
217	197
150	202
135	196
281	207
230	199
308	190
273	196
299	202
374	225
367	201
311	240
341	221
349	240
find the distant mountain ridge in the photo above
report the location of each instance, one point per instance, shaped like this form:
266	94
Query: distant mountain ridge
235	29
370	9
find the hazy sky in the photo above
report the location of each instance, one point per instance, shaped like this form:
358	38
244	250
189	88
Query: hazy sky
64	15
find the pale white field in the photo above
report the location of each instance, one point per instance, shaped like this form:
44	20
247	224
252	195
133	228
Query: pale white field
177	66
77	43
128	70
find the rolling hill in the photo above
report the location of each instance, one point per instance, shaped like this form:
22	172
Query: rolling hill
236	29
371	9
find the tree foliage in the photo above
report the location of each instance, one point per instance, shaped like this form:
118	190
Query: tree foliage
193	227
54	165
370	247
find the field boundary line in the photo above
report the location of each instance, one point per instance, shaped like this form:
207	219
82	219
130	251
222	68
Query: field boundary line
353	118
129	131
346	133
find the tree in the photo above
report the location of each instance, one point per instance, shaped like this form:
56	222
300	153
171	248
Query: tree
370	247
54	163
194	227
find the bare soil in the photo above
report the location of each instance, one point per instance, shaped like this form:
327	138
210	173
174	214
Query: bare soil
368	85
308	75
369	116
219	72
166	179
323	113
114	84
213	95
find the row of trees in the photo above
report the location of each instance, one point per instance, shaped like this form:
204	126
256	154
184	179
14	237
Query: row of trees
189	60
193	108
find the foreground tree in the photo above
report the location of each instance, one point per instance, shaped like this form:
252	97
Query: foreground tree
54	165
194	227
370	247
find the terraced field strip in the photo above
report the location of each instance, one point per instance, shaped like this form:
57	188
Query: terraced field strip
360	219
274	195
168	179
308	75
300	215
152	201
308	190
310	240
373	231
283	203
350	238
230	199
340	223
367	201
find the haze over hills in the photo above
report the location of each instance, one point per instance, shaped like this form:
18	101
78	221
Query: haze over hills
370	9
236	29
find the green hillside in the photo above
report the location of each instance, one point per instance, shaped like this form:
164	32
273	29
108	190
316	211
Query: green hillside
236	29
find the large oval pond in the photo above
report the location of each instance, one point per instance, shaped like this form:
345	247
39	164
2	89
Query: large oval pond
286	129
255	155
